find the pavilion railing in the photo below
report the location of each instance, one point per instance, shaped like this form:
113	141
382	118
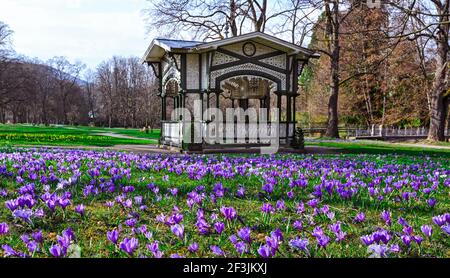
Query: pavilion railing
174	133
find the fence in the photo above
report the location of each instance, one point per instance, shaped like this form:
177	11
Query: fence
377	132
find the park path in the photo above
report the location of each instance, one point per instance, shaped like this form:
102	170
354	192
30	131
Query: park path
121	136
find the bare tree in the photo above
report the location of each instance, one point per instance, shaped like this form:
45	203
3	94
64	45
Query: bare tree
430	20
207	19
67	75
91	93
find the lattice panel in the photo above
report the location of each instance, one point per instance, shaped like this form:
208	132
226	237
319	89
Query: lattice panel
170	72
220	59
248	67
192	74
205	76
277	61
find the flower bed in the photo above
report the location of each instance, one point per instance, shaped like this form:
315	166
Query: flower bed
69	203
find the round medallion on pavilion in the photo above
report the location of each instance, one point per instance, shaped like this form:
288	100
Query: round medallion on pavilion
249	49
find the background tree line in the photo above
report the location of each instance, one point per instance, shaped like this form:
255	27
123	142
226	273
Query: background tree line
385	65
119	93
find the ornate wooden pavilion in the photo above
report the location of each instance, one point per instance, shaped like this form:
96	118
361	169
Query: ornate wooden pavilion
252	70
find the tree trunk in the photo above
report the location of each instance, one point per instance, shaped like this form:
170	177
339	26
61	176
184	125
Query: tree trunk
333	120
439	106
438	95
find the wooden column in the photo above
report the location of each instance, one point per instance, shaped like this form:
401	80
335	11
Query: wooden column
207	105
202	110
295	109
279	105
163	108
288	114
217	100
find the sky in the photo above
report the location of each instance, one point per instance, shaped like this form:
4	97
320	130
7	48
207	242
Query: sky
87	30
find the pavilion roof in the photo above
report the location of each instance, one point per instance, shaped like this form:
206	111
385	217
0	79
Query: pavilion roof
161	46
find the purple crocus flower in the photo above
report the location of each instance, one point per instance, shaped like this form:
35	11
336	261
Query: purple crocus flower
446	229
402	222
300	244
431	202
300	208
9	251
240	192
80	209
24	214
131	222
367	239
69	233
273	242
4	229
386	216
395	248
63	241
193	248
290	194
228	212
63	202
298	225
265	251
37	236
408	230
39	213
336	229
267	208
129	245
245	234
313	203
440	220
216	250
219	226
418	239
113	236
178	230
323	241
241	247
406	240
277	234
268	187
173	191
280	205
56	251
153	247
233	239
25	238
360	217
12	205
382	235
427	230
32	246
378	250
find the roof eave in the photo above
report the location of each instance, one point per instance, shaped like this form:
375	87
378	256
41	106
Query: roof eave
155	43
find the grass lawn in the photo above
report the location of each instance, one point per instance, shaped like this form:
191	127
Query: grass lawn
290	206
375	147
71	136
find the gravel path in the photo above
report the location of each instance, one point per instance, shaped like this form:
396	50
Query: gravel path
121	136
